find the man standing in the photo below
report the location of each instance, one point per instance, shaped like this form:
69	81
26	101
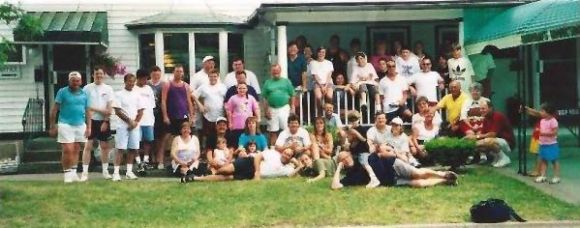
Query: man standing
212	105
201	78
129	108
460	68
238	66
74	123
296	70
176	107
426	82
159	126
100	103
453	103
407	63
393	93
278	93
147	96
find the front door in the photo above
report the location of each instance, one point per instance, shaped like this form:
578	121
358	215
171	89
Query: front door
67	58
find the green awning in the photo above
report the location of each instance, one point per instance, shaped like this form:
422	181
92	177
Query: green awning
537	22
71	27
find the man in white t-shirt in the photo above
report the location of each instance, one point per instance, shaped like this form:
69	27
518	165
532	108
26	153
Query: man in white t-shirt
238	66
393	93
129	108
364	78
460	68
407	63
201	78
101	98
427	82
294	138
212	105
147	96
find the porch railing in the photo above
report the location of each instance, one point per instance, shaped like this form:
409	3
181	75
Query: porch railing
33	119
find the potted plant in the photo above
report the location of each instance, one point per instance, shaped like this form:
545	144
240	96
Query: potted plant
449	151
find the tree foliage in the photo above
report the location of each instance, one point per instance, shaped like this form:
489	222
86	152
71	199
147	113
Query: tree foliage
27	28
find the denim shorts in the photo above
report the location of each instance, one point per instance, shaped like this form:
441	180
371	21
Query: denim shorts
147	134
550	152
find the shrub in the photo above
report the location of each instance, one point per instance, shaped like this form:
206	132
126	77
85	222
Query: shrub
451	152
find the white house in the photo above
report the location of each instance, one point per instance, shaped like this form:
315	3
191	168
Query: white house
161	32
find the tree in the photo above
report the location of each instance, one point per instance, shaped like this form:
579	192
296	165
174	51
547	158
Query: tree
27	28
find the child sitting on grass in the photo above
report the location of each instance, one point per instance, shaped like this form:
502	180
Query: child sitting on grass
251	150
549	149
221	154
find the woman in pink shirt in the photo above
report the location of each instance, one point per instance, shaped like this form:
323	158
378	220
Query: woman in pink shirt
239	108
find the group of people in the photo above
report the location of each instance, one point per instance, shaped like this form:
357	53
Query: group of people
213	125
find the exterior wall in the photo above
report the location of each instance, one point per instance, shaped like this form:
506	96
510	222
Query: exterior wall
257	52
123	43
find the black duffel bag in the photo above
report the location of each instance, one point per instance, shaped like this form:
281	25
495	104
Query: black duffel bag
493	211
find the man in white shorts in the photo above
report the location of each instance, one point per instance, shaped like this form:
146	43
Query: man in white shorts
129	108
74	123
278	95
100	103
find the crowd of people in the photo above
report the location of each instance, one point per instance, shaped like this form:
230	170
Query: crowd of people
213	124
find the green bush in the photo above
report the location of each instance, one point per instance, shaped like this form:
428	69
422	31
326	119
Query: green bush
451	152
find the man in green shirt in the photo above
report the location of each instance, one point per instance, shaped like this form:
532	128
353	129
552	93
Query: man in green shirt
277	93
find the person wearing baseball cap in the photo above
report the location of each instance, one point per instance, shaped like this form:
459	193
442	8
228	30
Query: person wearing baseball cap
196	81
221	130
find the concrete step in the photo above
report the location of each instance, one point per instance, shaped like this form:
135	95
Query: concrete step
48	155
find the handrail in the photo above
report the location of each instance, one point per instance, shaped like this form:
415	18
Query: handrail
33	119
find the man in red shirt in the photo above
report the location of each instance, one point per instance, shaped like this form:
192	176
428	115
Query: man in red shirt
495	136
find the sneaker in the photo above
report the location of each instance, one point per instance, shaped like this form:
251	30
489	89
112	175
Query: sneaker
540	179
505	160
84	177
373	183
188	178
116	177
67	177
555	180
482	159
148	166
106	175
74	176
131	176
160	166
141	168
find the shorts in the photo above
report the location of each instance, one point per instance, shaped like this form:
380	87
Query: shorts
550	152
208	127
147	134
159	127
403	170
393	114
71	134
175	126
363	158
125	139
97	133
244	168
366	88
279	120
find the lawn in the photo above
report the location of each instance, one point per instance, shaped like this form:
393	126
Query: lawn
100	203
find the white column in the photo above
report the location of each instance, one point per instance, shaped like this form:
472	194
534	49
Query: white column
282	50
192	70
159	51
536	70
223	51
461	37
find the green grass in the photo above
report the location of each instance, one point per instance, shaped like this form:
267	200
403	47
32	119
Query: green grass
269	202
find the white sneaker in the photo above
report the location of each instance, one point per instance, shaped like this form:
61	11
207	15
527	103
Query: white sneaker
555	180
160	166
68	177
106	175
84	177
116	177
373	183
131	176
74	176
482	159
503	161
540	179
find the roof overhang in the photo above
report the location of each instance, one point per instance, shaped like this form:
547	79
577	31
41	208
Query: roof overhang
189	20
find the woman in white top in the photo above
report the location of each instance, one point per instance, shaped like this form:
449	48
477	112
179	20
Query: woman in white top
185	153
423	132
321	74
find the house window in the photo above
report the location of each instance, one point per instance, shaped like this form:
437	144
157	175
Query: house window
235	47
206	44
17	55
176	51
146	51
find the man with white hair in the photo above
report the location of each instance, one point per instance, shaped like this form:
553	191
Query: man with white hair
201	78
100	103
74	123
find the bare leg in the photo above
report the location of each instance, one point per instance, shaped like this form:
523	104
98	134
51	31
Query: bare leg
556	166
421	183
374	182
67	158
161	149
105	149
131	156
226	170
329	95
76	154
543	167
119	157
214	178
273	137
427	174
87	152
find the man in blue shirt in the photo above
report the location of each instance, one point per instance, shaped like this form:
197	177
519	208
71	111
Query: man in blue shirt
74	123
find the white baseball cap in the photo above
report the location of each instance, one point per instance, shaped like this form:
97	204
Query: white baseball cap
397	120
206	58
74	74
221	118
